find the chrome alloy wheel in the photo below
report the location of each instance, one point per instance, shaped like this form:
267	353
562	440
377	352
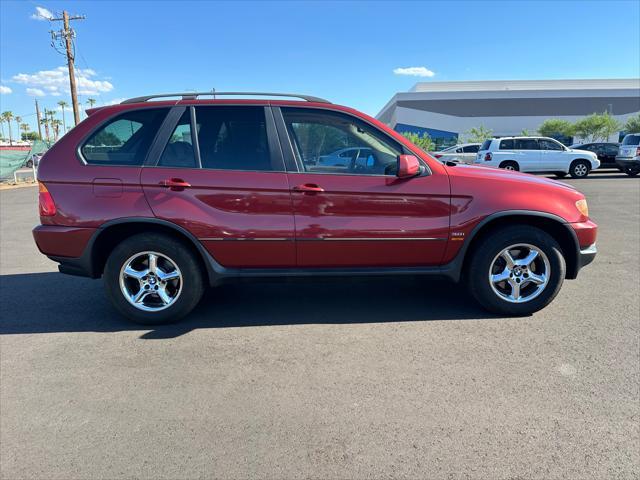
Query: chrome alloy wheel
581	170
510	167
519	273
150	281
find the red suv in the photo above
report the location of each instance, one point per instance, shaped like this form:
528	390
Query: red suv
164	197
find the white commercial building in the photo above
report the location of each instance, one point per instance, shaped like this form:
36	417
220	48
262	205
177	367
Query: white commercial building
446	110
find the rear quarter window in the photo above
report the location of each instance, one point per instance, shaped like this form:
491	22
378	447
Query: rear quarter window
124	139
485	145
631	140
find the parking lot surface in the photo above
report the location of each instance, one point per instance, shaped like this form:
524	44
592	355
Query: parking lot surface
324	378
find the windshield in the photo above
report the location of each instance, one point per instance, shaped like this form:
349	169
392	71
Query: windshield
631	140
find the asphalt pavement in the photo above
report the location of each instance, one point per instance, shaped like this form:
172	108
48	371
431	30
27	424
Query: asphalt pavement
346	378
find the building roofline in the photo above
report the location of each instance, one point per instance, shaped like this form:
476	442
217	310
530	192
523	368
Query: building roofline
511	85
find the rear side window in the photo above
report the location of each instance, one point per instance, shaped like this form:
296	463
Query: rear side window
526	144
470	149
506	144
631	140
485	145
233	138
125	139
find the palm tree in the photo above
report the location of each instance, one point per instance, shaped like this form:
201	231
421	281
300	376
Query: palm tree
56	128
7	117
1	128
18	120
63	105
25	128
45	121
91	102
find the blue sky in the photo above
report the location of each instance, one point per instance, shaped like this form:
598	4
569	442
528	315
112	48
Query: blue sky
344	51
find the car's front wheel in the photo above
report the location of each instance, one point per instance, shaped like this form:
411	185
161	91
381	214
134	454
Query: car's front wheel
153	279
516	270
579	169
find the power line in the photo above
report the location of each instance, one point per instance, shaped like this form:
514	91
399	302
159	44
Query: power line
65	37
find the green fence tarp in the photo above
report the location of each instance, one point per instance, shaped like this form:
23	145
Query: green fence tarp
12	160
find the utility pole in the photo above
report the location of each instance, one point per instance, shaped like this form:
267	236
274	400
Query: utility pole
66	35
38	117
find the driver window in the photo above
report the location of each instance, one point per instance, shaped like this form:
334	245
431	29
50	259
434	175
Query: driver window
328	142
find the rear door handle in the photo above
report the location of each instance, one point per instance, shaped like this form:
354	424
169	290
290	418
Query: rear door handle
175	184
308	188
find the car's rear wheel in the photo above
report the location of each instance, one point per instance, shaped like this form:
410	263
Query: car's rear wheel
510	166
632	171
516	270
579	169
153	279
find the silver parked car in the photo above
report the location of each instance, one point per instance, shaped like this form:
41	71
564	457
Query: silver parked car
463	153
628	158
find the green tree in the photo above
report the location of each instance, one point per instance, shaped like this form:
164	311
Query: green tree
525	133
633	124
30	136
597	126
423	141
479	134
18	120
62	104
7	117
56	124
554	127
91	102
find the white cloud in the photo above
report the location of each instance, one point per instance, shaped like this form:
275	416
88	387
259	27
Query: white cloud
35	92
115	101
56	81
42	14
414	71
5	90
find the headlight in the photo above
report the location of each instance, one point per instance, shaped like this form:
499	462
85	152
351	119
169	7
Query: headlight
582	207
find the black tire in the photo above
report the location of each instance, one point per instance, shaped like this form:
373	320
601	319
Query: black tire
509	165
560	174
179	253
29	164
579	169
489	247
632	171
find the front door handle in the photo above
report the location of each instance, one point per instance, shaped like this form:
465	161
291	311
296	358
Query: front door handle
175	184
308	188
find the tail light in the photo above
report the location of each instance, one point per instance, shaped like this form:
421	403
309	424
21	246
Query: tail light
45	201
438	155
488	157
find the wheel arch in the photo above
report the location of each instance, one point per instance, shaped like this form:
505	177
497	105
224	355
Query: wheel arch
503	162
115	231
554	225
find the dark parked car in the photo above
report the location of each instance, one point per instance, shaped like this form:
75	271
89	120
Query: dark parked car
161	198
606	152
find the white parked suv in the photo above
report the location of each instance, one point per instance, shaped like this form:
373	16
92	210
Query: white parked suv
536	154
463	153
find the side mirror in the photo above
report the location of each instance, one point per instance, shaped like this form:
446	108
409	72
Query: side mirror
408	166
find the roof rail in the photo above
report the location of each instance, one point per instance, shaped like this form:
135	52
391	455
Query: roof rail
194	95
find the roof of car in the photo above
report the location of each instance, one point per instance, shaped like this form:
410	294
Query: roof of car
214	94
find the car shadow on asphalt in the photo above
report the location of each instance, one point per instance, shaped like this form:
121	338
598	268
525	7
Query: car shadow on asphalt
52	303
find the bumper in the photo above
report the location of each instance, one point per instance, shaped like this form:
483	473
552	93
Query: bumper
586	256
625	162
585	246
67	246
